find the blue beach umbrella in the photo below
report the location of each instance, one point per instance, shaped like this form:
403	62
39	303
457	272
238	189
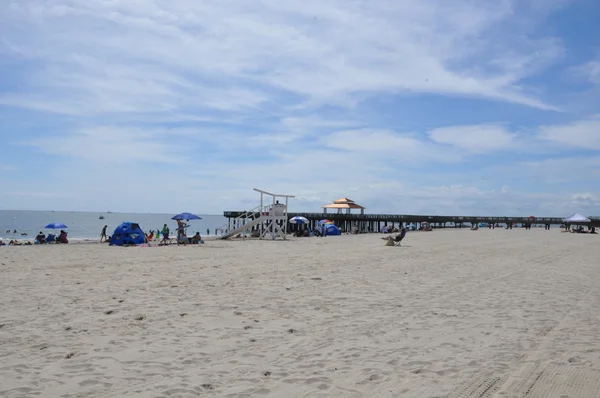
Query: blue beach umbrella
299	220
56	225
186	216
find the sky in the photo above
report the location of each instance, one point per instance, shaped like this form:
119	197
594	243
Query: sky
458	107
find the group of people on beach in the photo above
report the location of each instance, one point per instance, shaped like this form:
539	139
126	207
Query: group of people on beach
579	229
40	238
164	232
14	231
182	238
51	238
14	242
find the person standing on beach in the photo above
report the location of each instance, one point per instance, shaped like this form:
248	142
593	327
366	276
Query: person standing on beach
165	233
207	231
103	236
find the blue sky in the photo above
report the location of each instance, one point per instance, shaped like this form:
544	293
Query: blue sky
412	106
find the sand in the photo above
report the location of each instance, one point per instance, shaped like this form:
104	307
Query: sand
450	314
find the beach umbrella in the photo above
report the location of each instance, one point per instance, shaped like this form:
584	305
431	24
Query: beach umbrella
321	222
56	225
186	216
299	220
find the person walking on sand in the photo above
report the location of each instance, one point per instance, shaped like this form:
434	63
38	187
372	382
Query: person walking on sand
103	236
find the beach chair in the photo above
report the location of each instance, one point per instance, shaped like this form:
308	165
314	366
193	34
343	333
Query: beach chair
397	239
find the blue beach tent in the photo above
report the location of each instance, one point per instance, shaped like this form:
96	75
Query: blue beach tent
128	233
333	230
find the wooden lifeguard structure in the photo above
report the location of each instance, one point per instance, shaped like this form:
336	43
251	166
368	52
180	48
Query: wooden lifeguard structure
274	215
344	204
270	217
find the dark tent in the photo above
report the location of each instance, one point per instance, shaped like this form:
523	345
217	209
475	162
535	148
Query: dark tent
333	230
128	233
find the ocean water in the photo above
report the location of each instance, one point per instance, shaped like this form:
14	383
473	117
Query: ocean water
84	225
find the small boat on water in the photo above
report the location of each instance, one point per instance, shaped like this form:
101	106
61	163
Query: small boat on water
101	218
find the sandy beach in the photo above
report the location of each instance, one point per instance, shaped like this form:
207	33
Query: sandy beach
454	313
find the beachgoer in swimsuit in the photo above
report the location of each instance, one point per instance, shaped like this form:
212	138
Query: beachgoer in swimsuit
103	234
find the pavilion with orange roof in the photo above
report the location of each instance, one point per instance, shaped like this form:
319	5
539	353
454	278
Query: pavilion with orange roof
344	204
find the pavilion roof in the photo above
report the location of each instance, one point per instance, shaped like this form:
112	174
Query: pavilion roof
343	203
343	200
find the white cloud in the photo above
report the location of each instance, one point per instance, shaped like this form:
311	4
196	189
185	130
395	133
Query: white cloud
476	139
196	103
114	144
369	141
586	200
475	201
378	167
589	71
580	170
187	56
582	134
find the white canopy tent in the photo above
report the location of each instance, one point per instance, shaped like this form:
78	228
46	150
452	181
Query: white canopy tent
576	218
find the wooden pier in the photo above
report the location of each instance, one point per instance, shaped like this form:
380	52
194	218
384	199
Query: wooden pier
375	222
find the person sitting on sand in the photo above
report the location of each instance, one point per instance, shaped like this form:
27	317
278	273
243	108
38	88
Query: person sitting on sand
62	238
14	242
181	238
396	239
197	238
40	238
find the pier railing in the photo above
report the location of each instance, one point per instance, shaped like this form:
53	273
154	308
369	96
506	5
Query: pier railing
413	218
